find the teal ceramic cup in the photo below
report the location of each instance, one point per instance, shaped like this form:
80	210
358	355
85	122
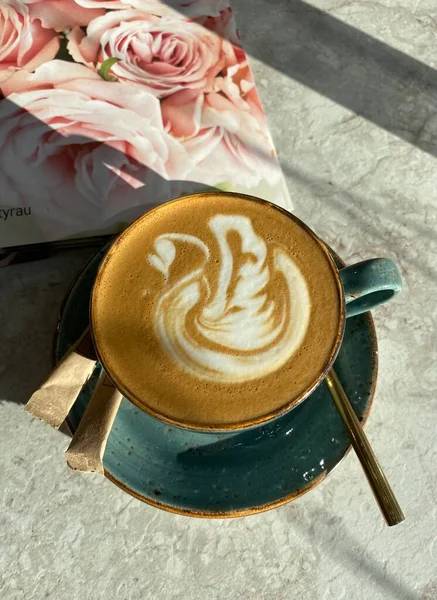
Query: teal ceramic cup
358	288
369	284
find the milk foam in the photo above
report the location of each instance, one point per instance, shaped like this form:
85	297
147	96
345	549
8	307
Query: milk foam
243	330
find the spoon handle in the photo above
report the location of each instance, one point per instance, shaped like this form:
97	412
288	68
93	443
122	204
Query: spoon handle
378	482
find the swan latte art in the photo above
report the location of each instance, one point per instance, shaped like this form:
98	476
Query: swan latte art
240	322
216	311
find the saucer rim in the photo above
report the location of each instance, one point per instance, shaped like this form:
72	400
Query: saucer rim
231	514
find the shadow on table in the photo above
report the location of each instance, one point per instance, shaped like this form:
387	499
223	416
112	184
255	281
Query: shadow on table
374	217
333	539
353	69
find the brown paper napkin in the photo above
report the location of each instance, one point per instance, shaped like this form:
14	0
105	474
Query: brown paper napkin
53	400
87	448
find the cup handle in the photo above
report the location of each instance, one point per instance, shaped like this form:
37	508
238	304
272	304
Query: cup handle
369	284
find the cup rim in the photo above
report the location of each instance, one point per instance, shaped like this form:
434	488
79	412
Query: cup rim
253	422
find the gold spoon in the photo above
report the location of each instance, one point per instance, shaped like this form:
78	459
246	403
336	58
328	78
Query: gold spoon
378	482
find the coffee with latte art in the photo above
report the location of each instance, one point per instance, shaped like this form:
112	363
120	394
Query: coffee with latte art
217	311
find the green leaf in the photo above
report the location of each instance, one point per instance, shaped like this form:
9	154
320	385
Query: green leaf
106	67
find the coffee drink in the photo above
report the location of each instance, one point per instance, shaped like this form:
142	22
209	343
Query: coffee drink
217	311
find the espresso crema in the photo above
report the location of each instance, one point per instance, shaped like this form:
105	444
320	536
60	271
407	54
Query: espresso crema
216	311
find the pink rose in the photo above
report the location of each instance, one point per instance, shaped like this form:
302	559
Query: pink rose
61	14
186	8
25	44
226	144
235	80
163	54
77	149
112	4
225	130
28	31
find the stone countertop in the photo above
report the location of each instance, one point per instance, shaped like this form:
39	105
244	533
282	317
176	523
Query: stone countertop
349	88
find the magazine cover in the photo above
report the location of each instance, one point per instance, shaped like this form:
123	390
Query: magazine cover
111	107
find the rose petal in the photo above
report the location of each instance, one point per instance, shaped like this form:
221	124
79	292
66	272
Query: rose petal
61	14
81	48
46	54
188	8
25	43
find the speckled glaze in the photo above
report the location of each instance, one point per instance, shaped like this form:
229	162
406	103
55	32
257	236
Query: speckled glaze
233	474
369	284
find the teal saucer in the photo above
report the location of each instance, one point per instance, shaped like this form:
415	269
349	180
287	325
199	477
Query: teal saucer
233	474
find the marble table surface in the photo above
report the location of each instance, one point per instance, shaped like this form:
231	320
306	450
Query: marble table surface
350	89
